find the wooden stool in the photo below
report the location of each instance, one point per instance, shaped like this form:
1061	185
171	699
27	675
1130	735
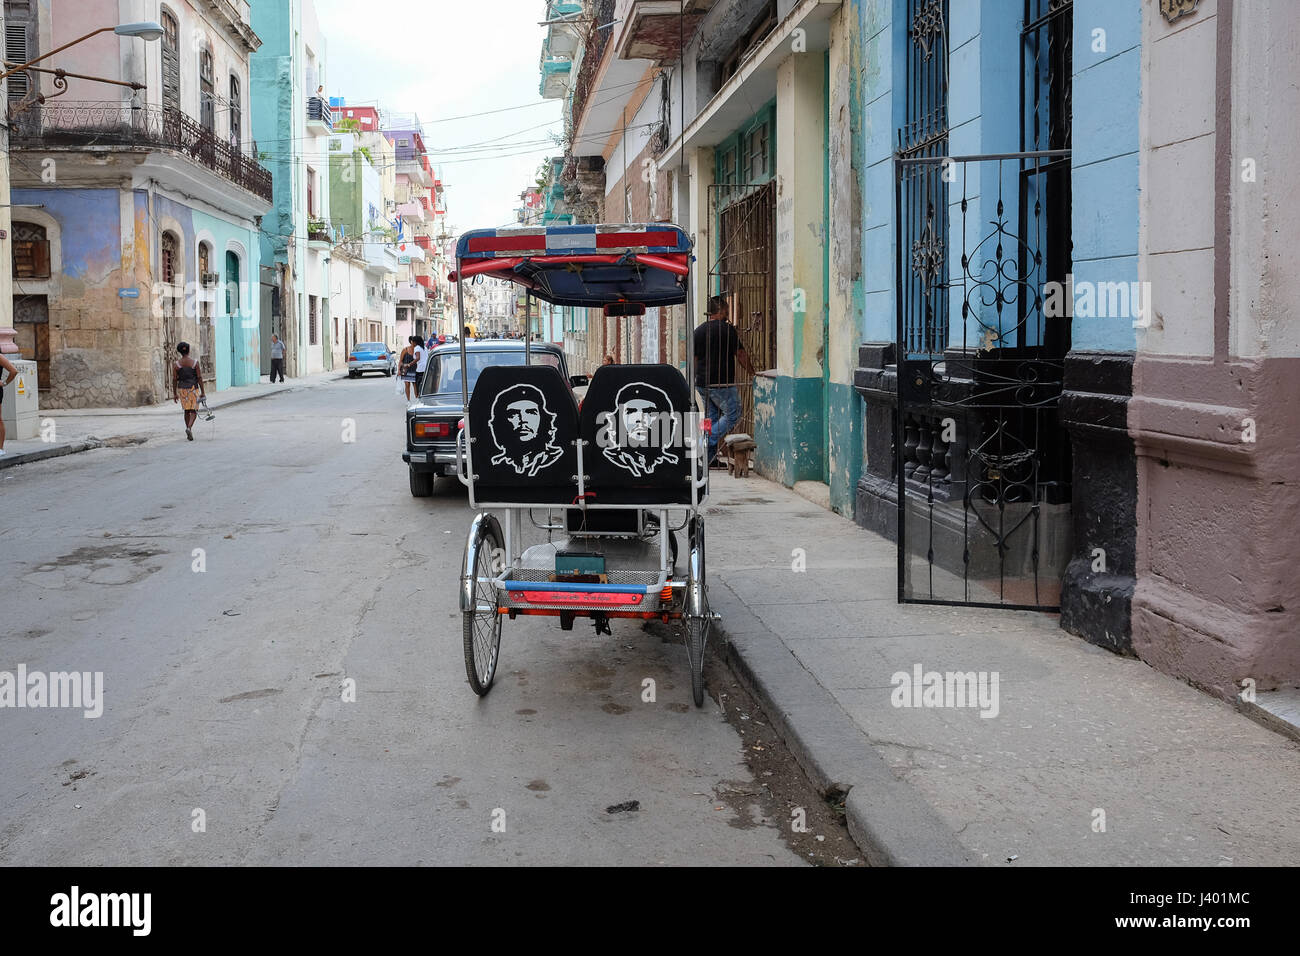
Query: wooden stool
739	449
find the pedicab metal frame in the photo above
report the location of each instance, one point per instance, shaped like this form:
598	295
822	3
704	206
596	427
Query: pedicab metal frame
499	578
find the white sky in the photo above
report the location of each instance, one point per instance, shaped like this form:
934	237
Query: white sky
448	58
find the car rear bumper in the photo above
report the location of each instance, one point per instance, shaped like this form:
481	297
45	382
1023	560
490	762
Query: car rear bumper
375	365
438	461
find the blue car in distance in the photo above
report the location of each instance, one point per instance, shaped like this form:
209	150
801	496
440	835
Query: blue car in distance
371	357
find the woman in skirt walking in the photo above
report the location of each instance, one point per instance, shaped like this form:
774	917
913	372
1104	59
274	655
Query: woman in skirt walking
187	387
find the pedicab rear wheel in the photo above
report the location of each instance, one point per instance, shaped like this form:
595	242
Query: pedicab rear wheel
697	630
697	614
482	622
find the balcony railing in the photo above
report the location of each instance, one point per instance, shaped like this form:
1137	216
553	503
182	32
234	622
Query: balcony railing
319	230
319	111
119	124
595	43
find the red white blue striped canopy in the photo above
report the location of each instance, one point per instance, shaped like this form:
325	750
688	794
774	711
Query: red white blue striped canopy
588	265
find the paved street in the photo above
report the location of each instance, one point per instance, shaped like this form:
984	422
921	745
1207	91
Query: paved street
222	687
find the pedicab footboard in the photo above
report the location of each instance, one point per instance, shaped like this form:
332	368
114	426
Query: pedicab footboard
555	597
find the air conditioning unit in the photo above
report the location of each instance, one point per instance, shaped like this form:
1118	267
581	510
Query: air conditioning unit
209	278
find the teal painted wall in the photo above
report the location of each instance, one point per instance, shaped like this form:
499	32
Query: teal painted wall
237	340
788	424
279	126
237	355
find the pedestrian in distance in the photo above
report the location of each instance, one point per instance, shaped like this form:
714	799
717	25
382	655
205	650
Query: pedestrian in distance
187	386
717	350
422	360
409	362
5	366
277	357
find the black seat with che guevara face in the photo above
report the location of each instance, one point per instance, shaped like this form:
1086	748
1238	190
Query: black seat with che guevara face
637	425
523	427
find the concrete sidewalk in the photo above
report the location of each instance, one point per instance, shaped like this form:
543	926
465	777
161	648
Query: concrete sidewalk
81	429
1080	739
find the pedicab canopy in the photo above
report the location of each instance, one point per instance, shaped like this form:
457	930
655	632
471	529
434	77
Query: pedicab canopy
592	265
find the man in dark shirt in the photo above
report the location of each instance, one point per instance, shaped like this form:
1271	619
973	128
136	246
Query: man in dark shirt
717	349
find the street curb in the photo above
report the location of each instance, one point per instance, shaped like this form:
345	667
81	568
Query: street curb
889	820
257	398
162	408
54	451
72	448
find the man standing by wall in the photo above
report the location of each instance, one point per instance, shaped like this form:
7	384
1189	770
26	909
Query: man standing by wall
717	349
277	357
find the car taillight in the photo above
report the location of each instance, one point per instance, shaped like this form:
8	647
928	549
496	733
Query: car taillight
354	358
432	429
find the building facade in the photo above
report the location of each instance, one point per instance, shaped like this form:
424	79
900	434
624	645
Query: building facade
293	121
362	193
137	211
1002	270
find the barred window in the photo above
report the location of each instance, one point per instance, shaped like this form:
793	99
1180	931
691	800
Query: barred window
170	255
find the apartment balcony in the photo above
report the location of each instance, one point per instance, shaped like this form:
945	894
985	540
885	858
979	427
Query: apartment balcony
94	126
562	34
415	171
410	292
411	212
320	234
654	29
320	116
381	258
409	252
555	78
424	242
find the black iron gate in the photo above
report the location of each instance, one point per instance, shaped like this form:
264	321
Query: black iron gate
981	462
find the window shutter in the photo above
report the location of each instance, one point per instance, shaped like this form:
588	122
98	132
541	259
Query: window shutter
171	64
207	98
16	52
41	259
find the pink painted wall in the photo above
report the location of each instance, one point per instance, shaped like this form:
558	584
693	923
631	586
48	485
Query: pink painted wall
98	56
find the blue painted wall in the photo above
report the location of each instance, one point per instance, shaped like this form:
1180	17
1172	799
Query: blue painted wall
90	227
883	46
91	251
1104	167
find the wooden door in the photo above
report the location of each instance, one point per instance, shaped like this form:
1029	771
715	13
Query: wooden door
32	334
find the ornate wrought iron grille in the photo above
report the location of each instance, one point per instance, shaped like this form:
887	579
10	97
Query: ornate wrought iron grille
982	464
77	124
923	204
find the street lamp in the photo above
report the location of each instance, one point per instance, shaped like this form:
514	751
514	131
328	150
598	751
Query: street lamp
145	30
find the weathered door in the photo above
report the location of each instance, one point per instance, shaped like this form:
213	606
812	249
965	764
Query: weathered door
32	334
